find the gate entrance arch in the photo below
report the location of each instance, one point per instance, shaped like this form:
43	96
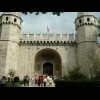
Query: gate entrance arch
48	61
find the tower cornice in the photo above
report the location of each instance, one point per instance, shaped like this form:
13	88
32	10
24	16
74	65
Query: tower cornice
11	15
85	16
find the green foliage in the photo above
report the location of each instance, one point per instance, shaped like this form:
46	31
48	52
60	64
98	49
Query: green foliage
37	13
77	83
11	72
21	82
98	24
76	74
65	77
94	70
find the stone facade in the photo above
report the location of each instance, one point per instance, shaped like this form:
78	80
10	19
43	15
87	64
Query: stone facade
28	53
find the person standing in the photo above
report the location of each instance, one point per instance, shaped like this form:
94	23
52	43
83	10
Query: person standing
27	79
32	80
9	82
3	81
54	77
36	80
16	82
45	81
39	81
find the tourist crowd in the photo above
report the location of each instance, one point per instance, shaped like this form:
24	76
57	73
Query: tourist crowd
37	81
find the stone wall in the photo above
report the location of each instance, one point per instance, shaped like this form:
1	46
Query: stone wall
86	55
8	57
3	54
12	57
28	53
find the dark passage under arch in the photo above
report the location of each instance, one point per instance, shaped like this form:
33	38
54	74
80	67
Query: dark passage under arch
48	68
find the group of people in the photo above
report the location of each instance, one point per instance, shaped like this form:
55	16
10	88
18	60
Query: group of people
14	81
9	82
38	81
43	81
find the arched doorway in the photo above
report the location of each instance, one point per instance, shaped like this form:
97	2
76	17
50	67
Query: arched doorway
48	61
48	68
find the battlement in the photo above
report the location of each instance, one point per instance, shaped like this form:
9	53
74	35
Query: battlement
48	37
42	39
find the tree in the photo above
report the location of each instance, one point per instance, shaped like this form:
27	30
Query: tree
98	24
11	72
94	67
54	13
76	74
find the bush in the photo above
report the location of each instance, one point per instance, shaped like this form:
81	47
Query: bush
21	82
76	74
77	83
11	72
65	78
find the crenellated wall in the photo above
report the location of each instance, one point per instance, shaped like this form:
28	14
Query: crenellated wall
47	37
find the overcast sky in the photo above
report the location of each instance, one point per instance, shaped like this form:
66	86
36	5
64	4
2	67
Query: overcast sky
57	24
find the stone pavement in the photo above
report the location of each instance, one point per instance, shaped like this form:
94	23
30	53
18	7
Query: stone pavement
33	85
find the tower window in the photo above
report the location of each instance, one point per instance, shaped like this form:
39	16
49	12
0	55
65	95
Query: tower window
15	20
94	21
7	18
80	21
88	19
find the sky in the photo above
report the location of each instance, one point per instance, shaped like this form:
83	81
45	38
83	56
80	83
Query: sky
57	24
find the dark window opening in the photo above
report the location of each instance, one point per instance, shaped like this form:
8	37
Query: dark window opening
7	18
64	42
80	21
88	19
15	20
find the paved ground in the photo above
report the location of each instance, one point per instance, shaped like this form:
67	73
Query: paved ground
33	85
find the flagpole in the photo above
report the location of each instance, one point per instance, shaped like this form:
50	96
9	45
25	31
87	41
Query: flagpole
48	32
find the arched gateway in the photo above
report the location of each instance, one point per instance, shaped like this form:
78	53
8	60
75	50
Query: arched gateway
48	61
30	54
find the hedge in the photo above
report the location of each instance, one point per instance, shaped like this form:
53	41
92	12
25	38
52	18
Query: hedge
77	83
21	82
